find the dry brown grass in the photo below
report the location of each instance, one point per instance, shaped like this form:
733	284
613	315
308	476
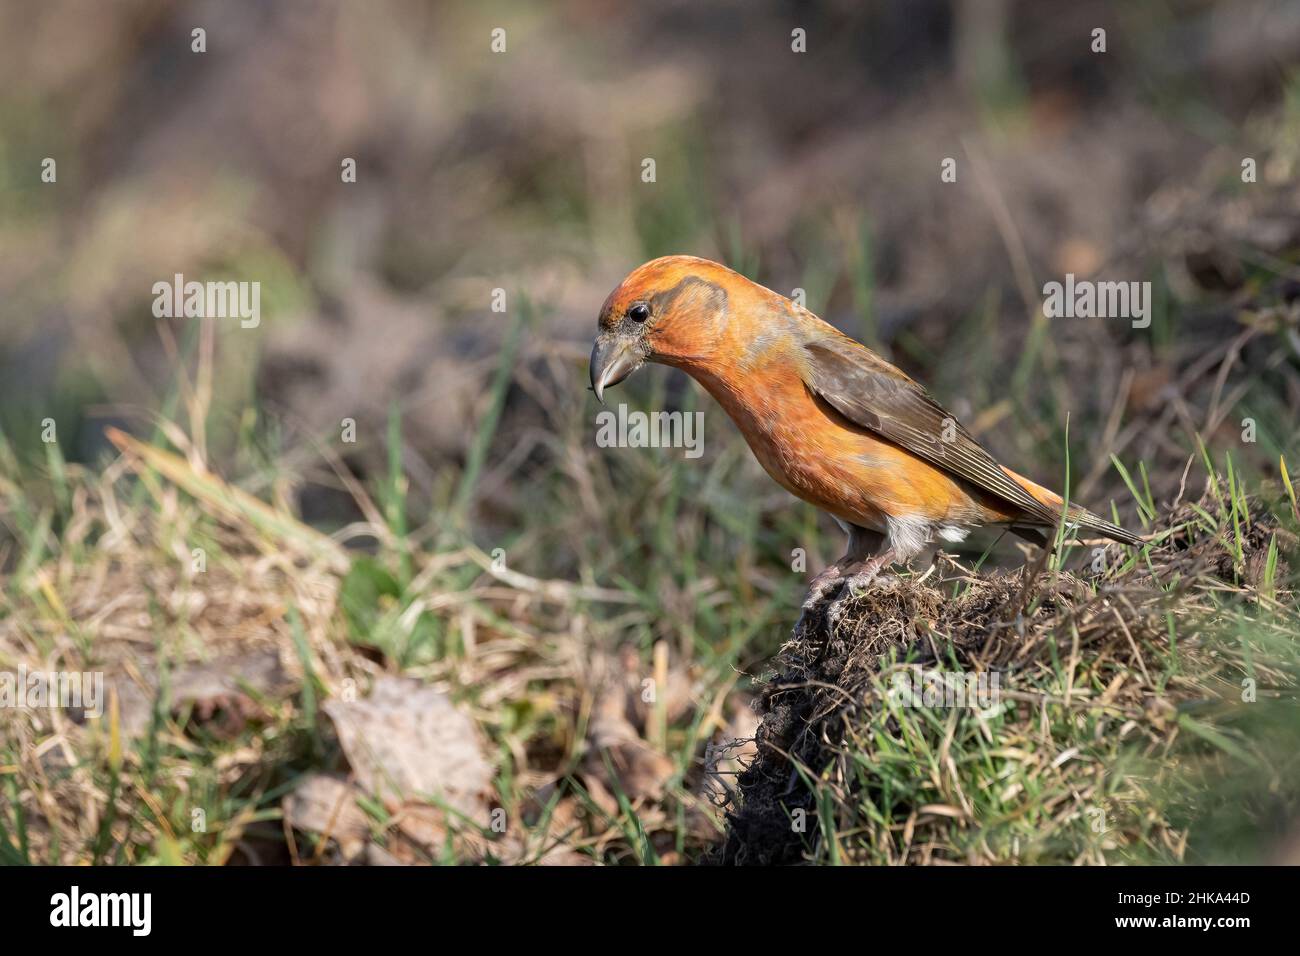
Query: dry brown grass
216	677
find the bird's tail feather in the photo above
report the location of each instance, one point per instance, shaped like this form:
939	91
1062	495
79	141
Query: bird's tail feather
1078	515
1086	519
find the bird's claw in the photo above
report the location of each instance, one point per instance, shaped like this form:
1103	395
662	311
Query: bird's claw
824	582
854	585
844	583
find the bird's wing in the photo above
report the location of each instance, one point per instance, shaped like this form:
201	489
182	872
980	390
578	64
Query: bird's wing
874	395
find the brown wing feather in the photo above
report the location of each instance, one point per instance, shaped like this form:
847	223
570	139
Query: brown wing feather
873	394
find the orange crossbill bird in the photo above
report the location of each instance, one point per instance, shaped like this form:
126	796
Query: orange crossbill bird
828	419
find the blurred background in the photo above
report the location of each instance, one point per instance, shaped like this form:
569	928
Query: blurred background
521	170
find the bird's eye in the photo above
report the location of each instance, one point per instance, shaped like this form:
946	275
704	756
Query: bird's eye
639	312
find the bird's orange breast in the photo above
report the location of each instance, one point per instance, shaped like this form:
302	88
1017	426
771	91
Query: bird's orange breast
817	455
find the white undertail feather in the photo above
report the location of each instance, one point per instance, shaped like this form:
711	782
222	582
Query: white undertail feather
909	534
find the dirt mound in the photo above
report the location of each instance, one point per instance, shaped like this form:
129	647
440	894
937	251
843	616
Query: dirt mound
1068	671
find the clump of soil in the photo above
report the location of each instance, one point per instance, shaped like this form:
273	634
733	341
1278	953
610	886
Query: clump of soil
825	697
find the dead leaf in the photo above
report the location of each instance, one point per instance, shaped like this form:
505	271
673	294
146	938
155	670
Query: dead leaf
226	685
408	741
618	754
327	804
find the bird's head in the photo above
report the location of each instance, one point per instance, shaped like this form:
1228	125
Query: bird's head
671	310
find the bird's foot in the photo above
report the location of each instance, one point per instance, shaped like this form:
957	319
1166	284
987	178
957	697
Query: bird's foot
870	569
823	583
843	580
854	584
